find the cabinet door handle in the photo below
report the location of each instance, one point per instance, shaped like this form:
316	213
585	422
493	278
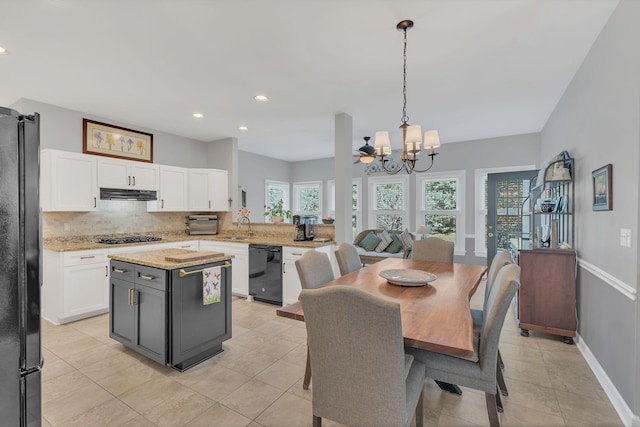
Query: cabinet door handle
284	268
129	178
133	297
87	257
145	277
134	181
209	204
94	202
118	270
297	253
185	246
106	271
130	298
161	203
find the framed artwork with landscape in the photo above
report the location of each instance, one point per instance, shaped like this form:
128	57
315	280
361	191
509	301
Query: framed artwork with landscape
108	140
602	188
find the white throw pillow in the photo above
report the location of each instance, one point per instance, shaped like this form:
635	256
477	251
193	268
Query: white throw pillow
384	242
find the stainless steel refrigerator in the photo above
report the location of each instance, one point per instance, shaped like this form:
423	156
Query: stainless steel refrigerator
20	270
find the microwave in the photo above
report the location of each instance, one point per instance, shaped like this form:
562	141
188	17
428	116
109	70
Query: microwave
202	224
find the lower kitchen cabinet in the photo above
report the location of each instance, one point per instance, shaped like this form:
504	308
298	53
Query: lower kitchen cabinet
139	312
291	286
240	252
75	285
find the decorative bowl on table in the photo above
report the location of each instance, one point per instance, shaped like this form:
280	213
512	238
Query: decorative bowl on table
328	220
408	277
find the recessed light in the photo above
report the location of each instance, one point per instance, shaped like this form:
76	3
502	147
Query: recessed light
261	98
3	51
243	128
198	115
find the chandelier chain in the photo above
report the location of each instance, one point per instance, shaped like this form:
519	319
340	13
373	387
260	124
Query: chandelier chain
405	118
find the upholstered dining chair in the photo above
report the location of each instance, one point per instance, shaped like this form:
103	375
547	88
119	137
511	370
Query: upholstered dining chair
501	259
314	269
433	249
348	258
361	374
480	371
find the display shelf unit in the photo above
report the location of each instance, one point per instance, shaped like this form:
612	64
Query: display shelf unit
547	296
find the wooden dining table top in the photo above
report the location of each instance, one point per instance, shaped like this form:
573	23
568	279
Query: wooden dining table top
435	317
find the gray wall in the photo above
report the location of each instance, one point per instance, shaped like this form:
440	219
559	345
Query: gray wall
253	170
61	129
598	121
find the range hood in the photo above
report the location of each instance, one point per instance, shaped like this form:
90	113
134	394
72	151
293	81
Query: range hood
119	194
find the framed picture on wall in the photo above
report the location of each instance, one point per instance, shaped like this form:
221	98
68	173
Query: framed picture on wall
602	188
103	139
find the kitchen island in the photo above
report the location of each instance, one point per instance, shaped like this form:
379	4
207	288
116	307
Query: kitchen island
158	306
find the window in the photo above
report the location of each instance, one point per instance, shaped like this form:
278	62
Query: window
440	206
307	198
274	191
480	248
388	203
356	217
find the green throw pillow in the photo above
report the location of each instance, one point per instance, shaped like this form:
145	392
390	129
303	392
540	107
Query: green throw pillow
395	246
370	242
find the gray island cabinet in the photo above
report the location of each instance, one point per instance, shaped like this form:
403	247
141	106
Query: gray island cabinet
157	309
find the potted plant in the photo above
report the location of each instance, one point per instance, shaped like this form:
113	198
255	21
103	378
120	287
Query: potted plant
277	212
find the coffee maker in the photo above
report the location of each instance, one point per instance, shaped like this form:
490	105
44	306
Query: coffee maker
305	227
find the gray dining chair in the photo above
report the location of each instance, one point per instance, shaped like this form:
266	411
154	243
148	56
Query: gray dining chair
361	374
348	258
433	249
314	269
480	371
502	259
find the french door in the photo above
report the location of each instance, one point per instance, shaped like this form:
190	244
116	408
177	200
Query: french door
508	210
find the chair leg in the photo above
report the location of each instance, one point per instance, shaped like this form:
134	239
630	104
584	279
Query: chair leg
317	421
419	411
490	399
500	361
307	372
501	384
499	406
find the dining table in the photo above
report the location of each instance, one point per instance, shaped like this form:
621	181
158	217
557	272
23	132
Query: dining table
435	316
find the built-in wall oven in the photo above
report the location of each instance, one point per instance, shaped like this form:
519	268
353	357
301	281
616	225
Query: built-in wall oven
265	273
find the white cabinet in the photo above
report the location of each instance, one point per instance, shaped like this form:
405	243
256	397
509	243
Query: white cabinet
208	190
75	285
68	181
127	174
173	190
239	264
291	286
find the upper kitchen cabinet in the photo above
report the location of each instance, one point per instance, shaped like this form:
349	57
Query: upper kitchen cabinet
68	181
127	174
208	190
173	190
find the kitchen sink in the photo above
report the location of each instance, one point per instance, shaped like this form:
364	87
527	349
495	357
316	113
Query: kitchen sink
238	238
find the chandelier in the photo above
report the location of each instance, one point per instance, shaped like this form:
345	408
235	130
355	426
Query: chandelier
411	134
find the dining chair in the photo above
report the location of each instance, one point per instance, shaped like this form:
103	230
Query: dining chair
502	259
314	269
361	374
348	258
479	371
433	249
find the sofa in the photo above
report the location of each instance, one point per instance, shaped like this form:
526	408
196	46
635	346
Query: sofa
371	257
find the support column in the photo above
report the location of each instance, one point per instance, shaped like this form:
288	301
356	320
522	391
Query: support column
342	168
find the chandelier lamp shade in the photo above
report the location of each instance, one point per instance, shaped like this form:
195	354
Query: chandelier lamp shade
414	141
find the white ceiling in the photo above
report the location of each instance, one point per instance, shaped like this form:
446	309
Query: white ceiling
476	68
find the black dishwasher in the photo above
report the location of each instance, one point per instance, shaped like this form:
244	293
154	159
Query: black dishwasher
265	273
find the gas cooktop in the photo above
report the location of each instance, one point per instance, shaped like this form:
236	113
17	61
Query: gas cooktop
128	239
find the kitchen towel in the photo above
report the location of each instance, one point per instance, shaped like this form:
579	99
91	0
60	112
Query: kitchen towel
211	285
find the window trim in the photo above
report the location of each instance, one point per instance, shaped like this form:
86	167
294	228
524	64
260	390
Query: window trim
480	247
459	212
404	180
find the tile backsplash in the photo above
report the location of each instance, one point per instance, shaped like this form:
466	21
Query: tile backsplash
113	217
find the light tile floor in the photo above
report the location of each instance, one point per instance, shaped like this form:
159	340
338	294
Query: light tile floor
92	380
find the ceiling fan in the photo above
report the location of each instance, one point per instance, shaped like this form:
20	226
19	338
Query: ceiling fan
367	152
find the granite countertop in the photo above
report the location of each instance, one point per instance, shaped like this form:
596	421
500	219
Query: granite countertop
156	258
80	243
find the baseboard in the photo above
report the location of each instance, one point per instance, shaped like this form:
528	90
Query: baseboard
629	419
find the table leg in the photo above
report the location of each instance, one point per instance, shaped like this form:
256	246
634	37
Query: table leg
451	388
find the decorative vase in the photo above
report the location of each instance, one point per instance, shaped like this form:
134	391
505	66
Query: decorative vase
277	219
